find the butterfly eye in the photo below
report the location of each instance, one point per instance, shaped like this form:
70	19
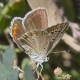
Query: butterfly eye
15	30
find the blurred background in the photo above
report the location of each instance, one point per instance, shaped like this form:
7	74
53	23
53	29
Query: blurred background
65	58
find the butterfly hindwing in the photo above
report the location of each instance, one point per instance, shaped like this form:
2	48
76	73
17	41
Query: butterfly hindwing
37	40
55	33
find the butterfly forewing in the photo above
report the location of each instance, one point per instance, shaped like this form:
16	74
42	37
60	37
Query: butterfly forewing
35	20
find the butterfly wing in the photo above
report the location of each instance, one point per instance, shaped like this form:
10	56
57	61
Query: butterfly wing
43	42
16	28
55	33
32	24
35	20
33	33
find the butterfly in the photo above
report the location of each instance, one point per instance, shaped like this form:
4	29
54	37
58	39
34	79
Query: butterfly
32	34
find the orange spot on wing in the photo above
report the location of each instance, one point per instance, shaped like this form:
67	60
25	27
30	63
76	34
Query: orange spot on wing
15	30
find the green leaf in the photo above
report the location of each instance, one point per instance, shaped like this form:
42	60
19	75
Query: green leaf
7	56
